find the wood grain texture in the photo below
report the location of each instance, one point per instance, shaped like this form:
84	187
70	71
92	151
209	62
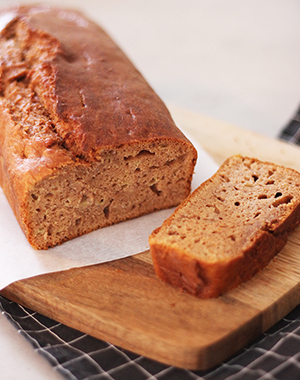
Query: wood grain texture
124	302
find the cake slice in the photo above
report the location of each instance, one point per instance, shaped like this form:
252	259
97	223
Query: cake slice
228	228
85	142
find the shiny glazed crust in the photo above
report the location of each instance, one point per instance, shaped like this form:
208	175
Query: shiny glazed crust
229	228
80	128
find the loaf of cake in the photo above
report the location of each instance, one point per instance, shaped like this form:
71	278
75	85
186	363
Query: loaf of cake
229	228
85	142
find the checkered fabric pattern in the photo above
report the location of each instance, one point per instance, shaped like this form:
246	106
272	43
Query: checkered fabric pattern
77	356
291	132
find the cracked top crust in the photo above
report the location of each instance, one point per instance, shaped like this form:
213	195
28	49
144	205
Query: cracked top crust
68	84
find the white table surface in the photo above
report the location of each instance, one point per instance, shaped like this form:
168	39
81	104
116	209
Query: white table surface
237	61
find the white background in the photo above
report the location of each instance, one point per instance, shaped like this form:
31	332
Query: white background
237	61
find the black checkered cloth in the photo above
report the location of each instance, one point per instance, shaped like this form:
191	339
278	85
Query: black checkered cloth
77	356
291	132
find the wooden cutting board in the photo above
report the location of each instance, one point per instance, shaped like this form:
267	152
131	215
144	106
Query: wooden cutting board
124	303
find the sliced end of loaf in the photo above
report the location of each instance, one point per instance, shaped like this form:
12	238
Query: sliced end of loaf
229	228
124	183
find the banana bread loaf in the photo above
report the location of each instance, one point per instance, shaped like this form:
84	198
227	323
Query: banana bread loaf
84	140
228	228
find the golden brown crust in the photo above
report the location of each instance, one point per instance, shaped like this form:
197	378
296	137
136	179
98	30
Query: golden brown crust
68	97
110	103
206	280
212	252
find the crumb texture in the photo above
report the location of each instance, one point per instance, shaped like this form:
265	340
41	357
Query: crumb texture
246	208
124	185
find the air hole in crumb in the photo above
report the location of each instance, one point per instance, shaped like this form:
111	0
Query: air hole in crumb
172	232
225	178
155	190
237	203
214	207
232	237
34	197
278	194
106	211
270	182
262	196
84	199
78	221
257	214
50	230
216	210
142	153
137	170
255	177
283	200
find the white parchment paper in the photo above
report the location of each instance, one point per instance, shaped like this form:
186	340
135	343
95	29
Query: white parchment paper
18	260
